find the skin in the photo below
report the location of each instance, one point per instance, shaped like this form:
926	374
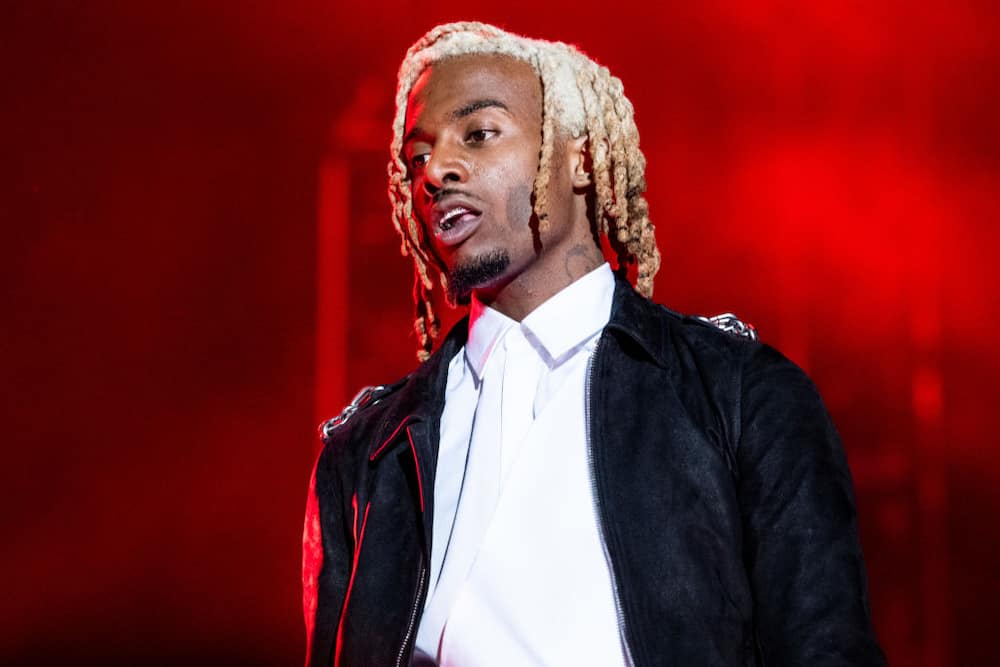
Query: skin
488	155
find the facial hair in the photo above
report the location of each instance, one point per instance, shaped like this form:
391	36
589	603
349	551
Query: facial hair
478	272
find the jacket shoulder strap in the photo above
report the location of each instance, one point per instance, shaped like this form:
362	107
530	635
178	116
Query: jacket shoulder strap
367	397
731	324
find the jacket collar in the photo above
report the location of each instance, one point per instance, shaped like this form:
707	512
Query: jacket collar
641	320
414	415
421	397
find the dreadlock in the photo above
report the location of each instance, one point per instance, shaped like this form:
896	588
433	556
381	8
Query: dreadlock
579	97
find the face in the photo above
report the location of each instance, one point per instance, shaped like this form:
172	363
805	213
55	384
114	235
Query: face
473	135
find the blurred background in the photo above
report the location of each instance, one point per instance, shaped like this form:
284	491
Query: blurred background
198	265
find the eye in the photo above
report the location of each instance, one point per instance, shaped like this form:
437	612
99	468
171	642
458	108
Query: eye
419	161
479	136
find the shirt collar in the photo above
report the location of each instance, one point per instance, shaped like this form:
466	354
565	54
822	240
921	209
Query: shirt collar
572	316
567	319
486	327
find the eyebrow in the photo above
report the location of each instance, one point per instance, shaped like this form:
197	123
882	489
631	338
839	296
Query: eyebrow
474	106
462	112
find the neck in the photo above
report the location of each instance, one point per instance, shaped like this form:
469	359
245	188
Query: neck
525	292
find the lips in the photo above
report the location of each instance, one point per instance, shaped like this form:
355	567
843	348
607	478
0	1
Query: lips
453	221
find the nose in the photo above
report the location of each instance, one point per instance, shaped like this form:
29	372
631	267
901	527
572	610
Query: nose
444	167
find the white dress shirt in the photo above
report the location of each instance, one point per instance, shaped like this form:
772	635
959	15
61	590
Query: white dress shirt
518	571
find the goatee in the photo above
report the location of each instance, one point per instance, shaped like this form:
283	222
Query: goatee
478	272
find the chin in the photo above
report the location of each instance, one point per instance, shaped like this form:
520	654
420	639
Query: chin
477	272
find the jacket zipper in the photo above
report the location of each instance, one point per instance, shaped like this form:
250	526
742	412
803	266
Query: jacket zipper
619	611
413	614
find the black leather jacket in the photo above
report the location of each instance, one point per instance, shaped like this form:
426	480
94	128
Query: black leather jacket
725	504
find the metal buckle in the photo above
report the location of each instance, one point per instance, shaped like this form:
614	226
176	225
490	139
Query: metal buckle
363	398
731	324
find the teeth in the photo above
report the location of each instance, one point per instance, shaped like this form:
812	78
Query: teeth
446	221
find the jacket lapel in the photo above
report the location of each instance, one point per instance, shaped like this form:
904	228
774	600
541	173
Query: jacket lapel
413	421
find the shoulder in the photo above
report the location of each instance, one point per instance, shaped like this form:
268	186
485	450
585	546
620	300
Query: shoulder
376	408
723	341
725	351
358	409
770	408
733	340
725	333
347	436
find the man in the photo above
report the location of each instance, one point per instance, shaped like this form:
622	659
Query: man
577	475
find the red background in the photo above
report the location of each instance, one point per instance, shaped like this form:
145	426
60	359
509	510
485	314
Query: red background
198	264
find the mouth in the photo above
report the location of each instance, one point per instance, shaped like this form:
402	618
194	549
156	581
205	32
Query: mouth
454	221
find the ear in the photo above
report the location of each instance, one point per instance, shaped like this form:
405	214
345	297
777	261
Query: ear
579	162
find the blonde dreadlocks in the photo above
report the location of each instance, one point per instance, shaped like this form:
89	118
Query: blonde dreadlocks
578	97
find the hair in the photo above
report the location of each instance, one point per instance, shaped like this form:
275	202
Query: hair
579	97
